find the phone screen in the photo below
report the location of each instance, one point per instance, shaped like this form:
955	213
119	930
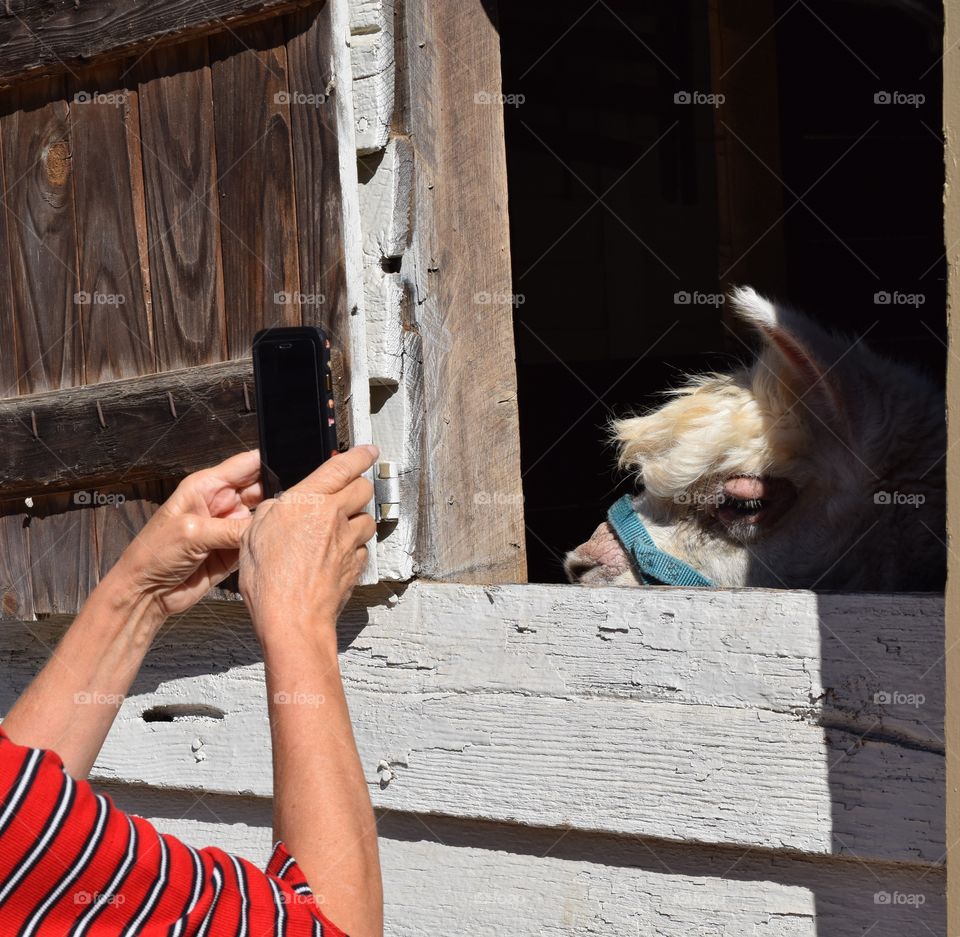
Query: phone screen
292	418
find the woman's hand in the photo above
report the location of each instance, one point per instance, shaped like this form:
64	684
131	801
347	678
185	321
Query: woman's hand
305	550
193	541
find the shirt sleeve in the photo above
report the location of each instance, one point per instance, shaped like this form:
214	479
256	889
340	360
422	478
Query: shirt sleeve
71	863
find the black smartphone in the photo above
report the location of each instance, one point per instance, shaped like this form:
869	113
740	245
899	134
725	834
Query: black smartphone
295	407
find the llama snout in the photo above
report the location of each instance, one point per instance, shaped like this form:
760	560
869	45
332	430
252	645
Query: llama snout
598	561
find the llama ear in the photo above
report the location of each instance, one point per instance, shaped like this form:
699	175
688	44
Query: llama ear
797	351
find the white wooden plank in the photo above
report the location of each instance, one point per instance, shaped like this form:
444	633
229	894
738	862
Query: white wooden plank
442	877
353	249
392	347
385	198
373	72
673	714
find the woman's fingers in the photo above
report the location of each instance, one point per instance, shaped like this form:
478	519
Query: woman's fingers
239	471
337	473
362	528
356	496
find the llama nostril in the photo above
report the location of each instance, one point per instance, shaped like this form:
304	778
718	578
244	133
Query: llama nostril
577	567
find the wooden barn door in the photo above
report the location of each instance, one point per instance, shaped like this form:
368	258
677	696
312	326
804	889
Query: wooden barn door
175	177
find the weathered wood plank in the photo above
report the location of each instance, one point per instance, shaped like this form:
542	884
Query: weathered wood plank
114	272
258	226
661	713
449	877
328	210
471	511
179	165
374	72
115	317
43	254
16	587
39	36
140	436
315	89
42	236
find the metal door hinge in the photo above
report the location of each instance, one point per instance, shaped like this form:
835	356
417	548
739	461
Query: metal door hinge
386	491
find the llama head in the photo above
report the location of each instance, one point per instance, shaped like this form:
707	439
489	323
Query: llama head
819	466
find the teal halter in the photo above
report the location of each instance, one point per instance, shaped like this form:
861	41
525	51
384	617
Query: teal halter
654	567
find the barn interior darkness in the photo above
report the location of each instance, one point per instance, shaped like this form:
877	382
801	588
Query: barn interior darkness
814	172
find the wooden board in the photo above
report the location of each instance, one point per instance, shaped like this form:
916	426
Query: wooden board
113	269
180	171
448	877
40	36
471	505
774	720
142	428
258	226
46	319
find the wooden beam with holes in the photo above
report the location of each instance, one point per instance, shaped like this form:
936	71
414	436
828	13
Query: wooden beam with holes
156	426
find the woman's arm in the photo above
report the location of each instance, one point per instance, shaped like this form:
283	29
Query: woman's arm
188	546
302	556
71	704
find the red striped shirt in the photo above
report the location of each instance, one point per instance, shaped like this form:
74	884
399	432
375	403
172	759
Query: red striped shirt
71	863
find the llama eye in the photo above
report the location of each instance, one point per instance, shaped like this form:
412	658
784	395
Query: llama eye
747	501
